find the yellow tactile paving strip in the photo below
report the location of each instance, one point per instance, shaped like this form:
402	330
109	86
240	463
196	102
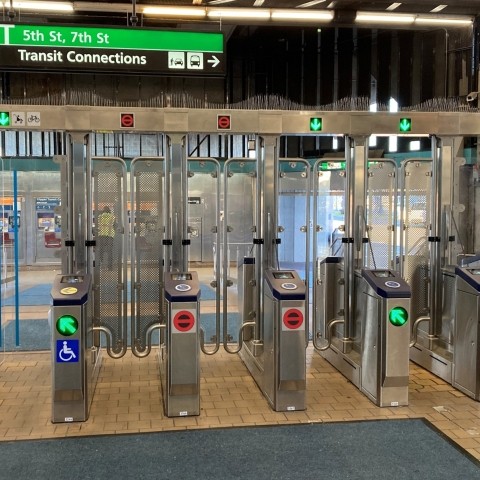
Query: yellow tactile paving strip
128	399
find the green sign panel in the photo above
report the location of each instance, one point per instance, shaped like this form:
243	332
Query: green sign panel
135	50
67	325
405	125
398	316
4	119
316	124
326	166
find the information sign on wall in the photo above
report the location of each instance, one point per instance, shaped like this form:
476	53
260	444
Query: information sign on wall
103	49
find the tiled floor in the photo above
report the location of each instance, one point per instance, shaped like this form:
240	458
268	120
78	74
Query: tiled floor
128	399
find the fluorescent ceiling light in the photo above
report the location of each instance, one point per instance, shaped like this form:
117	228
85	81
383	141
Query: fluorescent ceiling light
310	4
393	6
438	9
54	6
332	4
311	15
383	18
238	13
175	11
258	3
218	2
443	21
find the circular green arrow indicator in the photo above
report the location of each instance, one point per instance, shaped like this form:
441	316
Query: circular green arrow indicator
398	316
67	325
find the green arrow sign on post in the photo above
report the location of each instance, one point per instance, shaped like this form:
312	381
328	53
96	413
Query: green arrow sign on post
398	316
405	125
315	124
4	119
67	325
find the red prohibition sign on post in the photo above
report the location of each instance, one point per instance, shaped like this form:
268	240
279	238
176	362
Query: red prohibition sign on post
183	321
293	318
223	122
127	120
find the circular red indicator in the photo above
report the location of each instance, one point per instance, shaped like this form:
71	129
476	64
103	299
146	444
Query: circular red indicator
127	120
183	321
293	318
223	122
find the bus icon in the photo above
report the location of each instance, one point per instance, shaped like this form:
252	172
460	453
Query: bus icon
195	61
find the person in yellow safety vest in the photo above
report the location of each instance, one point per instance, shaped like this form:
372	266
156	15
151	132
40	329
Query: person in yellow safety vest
106	234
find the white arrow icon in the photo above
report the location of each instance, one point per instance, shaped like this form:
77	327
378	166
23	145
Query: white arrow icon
215	61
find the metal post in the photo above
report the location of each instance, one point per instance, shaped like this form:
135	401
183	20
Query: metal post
354	227
434	239
78	203
178	205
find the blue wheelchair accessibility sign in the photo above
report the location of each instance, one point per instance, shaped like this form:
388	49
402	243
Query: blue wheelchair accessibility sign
67	351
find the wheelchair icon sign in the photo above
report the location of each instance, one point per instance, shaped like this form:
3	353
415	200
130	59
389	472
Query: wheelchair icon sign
67	351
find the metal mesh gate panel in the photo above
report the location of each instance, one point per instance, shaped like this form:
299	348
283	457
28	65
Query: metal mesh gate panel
381	212
147	217
109	229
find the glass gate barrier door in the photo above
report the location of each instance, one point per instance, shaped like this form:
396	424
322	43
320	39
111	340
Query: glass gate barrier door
328	231
293	252
239	289
110	229
205	254
416	187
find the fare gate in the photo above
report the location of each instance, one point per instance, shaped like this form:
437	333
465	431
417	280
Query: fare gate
362	193
383	309
179	354
284	338
76	359
466	357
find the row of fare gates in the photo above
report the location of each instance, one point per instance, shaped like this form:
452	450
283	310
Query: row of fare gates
278	364
373	300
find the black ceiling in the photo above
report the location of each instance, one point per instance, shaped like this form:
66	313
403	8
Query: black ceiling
462	7
119	12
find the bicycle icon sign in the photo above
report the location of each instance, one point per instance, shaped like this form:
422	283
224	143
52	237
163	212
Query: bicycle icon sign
67	351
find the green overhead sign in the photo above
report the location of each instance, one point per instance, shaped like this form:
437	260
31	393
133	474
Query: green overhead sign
132	50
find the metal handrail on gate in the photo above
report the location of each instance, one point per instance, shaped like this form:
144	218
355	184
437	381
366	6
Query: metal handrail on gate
417	322
330	326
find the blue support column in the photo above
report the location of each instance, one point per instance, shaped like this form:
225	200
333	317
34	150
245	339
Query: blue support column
15	250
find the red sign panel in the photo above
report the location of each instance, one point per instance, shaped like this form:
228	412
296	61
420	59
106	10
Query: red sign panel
184	321
293	318
224	122
127	120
